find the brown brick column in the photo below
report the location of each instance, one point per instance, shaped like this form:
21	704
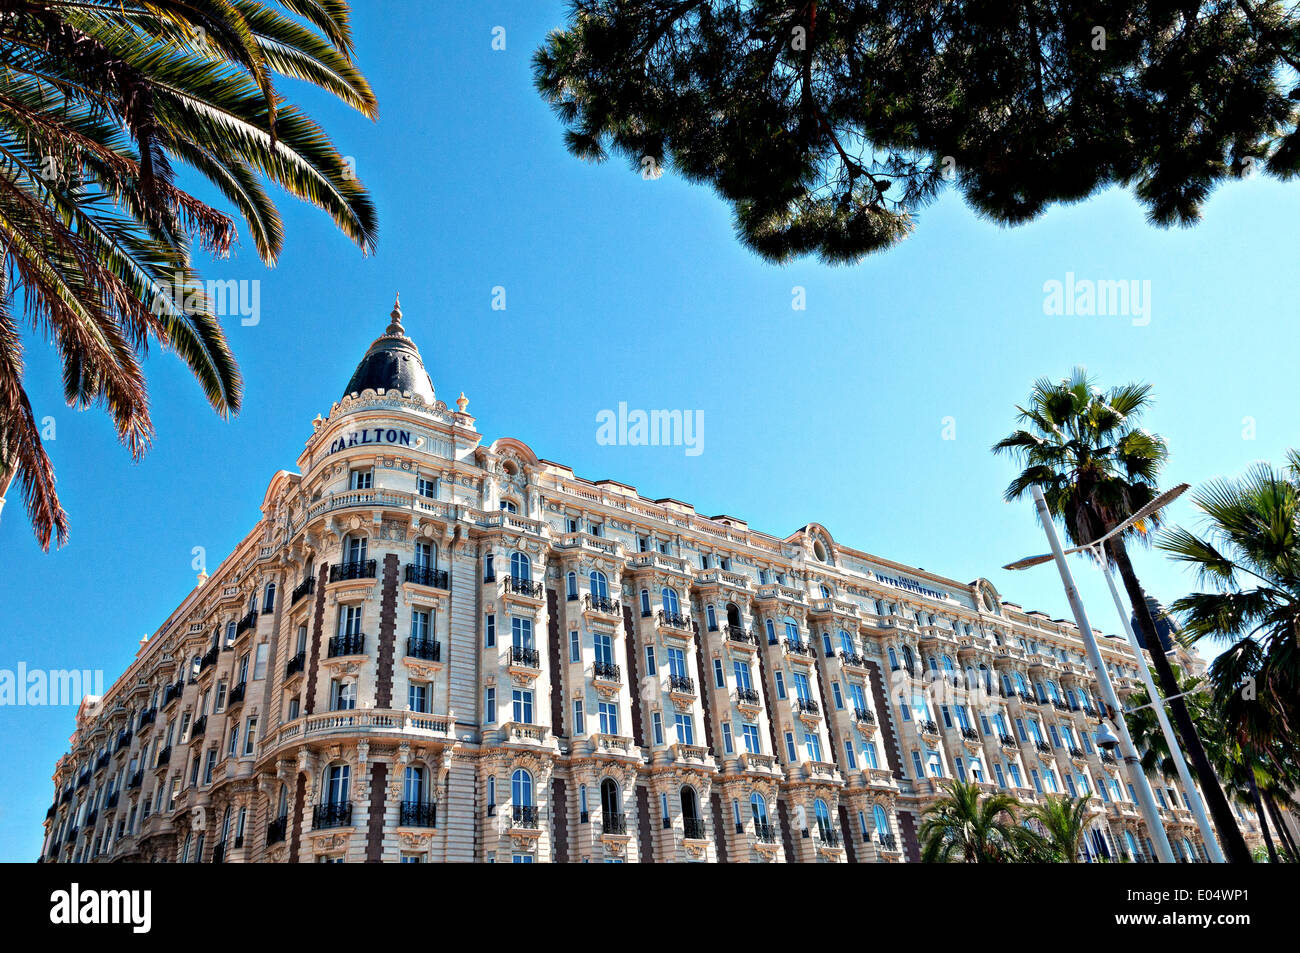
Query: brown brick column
633	681
299	800
884	714
560	811
553	654
387	635
378	799
719	828
644	837
313	652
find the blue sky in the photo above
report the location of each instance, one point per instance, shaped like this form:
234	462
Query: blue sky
622	289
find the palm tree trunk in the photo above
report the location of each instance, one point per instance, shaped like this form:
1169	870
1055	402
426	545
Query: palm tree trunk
1284	835
1263	823
1234	845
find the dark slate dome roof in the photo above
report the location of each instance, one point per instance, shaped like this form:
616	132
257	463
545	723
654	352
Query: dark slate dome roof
392	363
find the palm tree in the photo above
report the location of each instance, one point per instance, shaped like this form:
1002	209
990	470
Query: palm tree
1096	467
966	827
99	103
1248	558
1064	822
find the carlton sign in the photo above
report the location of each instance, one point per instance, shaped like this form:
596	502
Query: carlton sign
372	435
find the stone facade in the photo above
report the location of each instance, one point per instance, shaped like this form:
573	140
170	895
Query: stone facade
431	649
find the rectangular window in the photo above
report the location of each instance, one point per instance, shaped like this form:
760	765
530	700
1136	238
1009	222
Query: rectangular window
521	632
343	695
417	697
294	707
490	706
362	479
869	755
813	745
232	745
259	661
657	722
849	760
523	706
997	771
250	736
685	728
650	667
916	764
575	647
750	733
220	704
490	630
726	738
579	722
780	685
420	627
209	765
718	678
608	718
839	696
1014	771
427	488
604	646
677	663
790	752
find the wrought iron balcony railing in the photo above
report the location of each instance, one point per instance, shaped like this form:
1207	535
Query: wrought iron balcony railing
351	644
798	647
296	664
425	649
356	569
523	815
601	604
747	696
419	814
612	823
524	587
693	828
332	814
236	696
736	633
864	716
164	757
854	659
304	588
681	683
200	725
428	576
806	706
277	830
607	672
525	656
673	620
970	734
247	622
764	832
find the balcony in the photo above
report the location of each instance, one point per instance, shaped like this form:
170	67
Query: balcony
173	692
747	696
798	648
110	802
602	606
1076	754
1107	757
276	830
219	853
164	757
356	569
1043	747
246	623
887	841
522	656
351	644
853	659
927	727
681	684
147	718
693	828
296	665
970	734
515	586
864	716
209	659
102	761
337	814
611	823
236	696
740	635
829	837
1006	741
806	706
428	576
124	739
200	725
673	620
764	832
524	817
418	814
137	779
304	588
426	650
607	672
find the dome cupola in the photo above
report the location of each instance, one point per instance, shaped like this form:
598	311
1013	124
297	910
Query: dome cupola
392	363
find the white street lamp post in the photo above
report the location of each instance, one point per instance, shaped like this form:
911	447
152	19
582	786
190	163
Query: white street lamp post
1146	801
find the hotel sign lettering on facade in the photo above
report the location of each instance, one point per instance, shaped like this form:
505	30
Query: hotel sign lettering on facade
371	435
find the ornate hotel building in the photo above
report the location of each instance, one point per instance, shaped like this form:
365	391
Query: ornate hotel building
434	649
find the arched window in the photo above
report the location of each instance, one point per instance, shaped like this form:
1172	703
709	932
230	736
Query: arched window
758	807
1131	841
509	506
771	632
225	825
908	659
337	782
520	567
791	629
1021	684
609	802
827	650
282	806
521	788
826	592
846	643
823	817
881	820
571	585
893	659
268	600
670	603
195	664
690	806
599	584
413	785
733	615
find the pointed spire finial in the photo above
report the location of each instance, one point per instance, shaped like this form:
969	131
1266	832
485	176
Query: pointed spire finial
395	327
